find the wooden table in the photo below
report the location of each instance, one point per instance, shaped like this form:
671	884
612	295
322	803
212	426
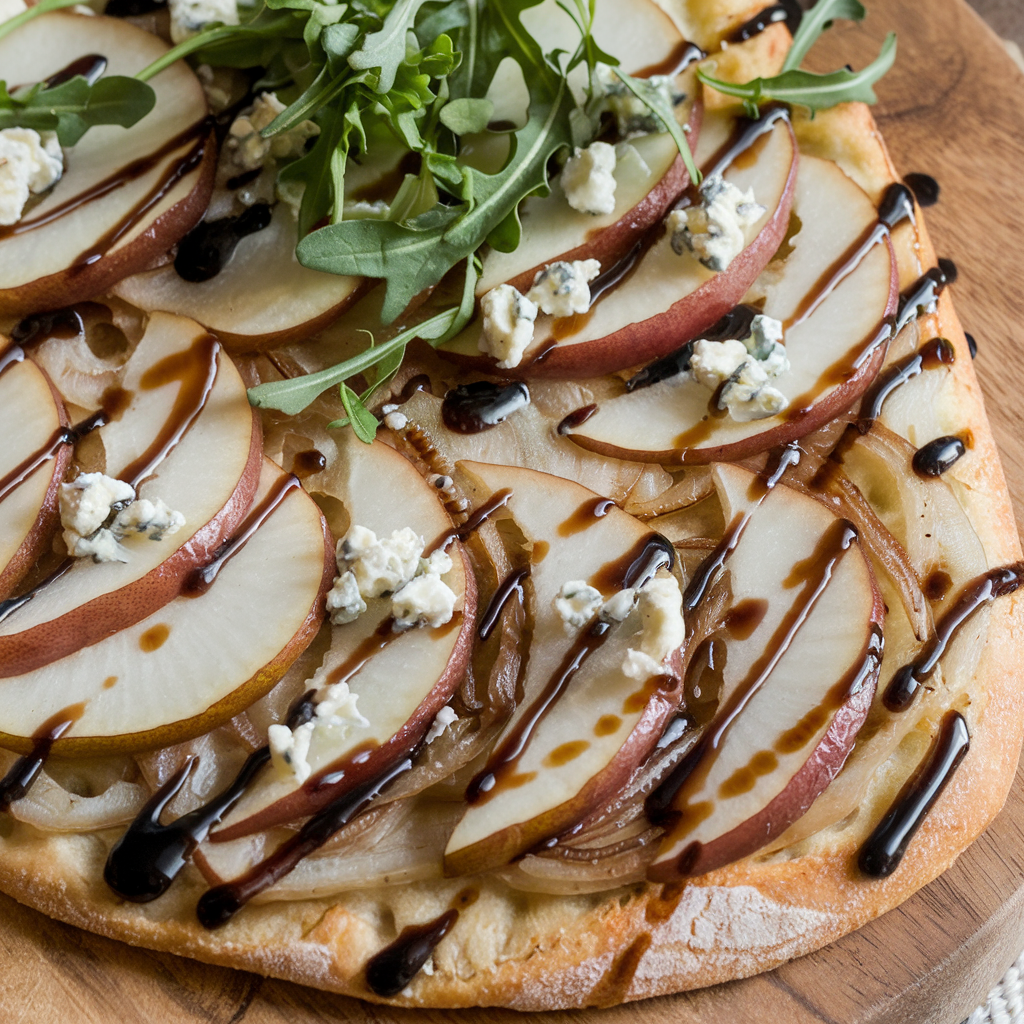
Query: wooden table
954	107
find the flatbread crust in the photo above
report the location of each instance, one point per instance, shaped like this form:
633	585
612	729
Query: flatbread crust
538	952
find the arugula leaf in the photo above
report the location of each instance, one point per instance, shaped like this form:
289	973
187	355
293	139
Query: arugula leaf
75	106
803	88
386	49
464	116
658	105
815	21
292	396
364	423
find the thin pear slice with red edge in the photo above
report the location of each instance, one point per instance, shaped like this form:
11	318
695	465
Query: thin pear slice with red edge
199	660
261	298
833	353
604	723
209	474
802	632
666	299
401	683
650	175
33	462
127	194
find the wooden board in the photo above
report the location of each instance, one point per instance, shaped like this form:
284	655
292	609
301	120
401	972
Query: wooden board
954	107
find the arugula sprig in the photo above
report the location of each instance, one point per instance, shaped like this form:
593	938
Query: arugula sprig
806	88
73	107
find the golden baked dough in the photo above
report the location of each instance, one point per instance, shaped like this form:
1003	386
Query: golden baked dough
535	950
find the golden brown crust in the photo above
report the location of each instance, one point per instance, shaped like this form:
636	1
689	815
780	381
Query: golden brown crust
535	952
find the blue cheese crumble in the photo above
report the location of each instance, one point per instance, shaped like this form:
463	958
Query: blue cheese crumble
190	17
633	116
713	230
30	162
562	289
588	179
97	512
740	371
508	320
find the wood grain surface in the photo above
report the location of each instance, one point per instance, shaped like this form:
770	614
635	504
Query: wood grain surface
953	107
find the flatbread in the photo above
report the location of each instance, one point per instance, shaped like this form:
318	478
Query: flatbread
537	951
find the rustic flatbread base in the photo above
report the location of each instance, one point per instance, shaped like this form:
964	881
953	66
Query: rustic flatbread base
536	952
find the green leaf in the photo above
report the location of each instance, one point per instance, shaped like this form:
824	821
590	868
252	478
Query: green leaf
386	49
292	396
658	105
803	88
75	106
338	42
364	423
465	116
815	21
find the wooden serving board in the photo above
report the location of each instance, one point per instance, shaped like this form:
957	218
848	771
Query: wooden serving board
953	107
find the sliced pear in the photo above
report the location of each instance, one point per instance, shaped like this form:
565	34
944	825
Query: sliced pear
129	194
263	296
209	475
198	661
802	634
667	298
32	464
649	178
402	681
604	723
830	354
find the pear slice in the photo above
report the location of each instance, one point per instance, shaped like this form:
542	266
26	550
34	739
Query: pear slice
401	681
127	195
830	351
665	299
649	177
801	627
209	474
604	723
262	297
32	463
197	661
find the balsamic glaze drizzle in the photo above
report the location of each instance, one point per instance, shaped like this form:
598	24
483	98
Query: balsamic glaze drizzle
218	905
972	345
935	353
934	458
18	781
884	849
145	861
511	585
390	970
90	67
209	246
904	685
925	188
788	11
638	568
473	408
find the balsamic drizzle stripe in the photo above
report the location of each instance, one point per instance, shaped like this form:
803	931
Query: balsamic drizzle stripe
635	570
937	352
511	585
218	905
788	11
144	862
17	782
884	849
905	684
201	579
390	970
